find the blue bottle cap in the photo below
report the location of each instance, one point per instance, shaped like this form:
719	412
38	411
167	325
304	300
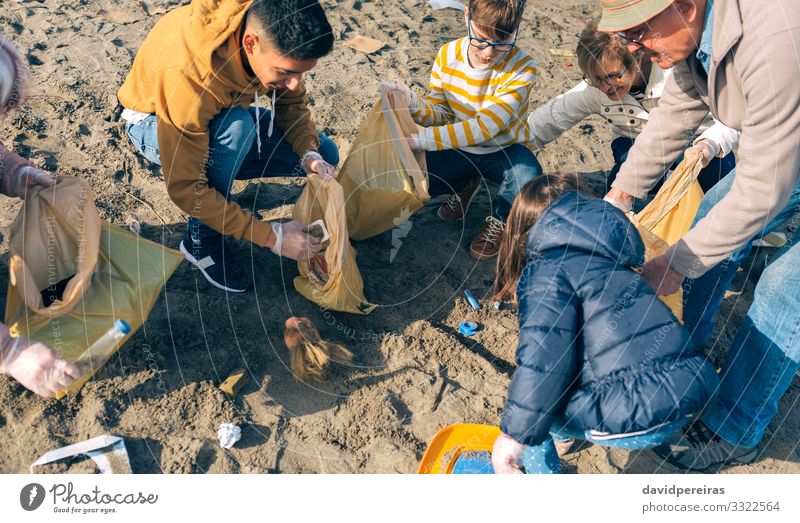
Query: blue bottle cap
122	326
471	299
467	328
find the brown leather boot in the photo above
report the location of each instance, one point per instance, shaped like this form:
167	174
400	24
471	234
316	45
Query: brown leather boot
455	208
487	243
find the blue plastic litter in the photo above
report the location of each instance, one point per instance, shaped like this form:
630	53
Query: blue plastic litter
474	463
467	329
471	299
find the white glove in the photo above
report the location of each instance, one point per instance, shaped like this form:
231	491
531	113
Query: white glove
312	162
408	95
707	149
622	206
16	184
35	366
293	242
506	455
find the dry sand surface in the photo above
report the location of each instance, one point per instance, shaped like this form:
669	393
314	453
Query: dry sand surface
412	373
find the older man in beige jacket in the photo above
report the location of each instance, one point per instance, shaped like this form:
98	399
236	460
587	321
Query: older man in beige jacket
739	60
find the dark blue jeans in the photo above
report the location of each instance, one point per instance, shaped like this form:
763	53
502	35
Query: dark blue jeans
765	354
511	168
716	169
233	154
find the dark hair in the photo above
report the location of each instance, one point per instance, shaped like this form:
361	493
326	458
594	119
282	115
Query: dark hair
298	28
531	201
498	17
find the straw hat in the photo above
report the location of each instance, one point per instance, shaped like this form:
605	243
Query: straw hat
619	15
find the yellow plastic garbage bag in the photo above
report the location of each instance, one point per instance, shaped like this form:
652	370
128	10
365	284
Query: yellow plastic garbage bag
72	274
668	217
331	279
384	181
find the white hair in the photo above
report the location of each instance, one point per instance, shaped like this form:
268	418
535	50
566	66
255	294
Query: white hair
14	77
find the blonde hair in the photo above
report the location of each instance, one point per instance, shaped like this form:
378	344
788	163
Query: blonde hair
309	355
595	46
14	78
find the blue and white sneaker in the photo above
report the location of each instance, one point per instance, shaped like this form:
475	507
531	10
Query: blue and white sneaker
215	262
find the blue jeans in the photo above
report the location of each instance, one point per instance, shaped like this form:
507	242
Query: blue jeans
233	153
716	169
511	168
543	459
765	354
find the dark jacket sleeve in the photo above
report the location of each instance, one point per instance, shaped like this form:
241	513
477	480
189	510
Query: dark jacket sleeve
546	356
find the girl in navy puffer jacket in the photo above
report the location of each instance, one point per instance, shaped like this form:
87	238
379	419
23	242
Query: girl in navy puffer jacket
600	357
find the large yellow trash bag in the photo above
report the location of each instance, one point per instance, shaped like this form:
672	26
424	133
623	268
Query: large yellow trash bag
91	272
667	218
332	279
384	181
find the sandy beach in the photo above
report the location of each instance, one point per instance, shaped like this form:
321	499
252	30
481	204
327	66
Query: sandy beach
412	374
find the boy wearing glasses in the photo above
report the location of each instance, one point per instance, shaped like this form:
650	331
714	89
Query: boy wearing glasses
623	87
475	117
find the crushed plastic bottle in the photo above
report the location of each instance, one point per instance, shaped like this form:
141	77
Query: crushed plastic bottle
102	349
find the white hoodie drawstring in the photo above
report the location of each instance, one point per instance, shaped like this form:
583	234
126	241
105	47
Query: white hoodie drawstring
258	122
271	117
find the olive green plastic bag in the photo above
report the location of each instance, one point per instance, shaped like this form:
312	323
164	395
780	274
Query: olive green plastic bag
331	279
384	181
669	216
102	273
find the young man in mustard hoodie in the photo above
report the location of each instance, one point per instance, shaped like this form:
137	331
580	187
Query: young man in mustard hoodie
187	102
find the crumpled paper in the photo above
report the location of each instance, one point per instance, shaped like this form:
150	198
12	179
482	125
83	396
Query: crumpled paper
228	435
364	44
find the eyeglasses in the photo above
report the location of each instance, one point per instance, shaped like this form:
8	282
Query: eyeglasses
609	79
480	43
633	36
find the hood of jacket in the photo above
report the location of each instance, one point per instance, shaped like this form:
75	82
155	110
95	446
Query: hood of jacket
213	29
590	225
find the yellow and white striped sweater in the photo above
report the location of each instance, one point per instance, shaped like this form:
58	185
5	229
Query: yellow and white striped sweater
476	110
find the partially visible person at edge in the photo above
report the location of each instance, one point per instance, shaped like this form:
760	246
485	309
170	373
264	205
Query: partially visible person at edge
187	105
622	88
34	365
475	118
600	357
737	59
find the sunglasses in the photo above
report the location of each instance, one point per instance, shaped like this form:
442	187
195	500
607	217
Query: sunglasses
480	43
